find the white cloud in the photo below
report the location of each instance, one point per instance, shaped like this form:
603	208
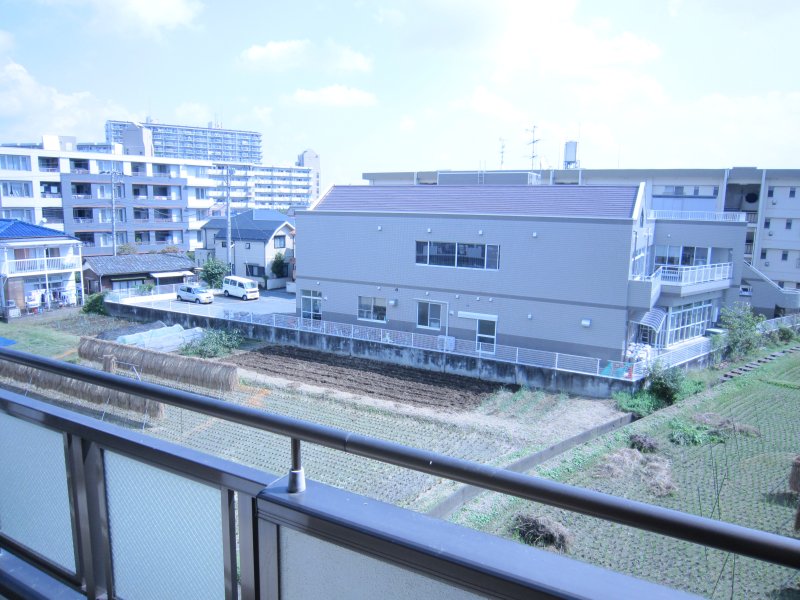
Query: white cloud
263	114
150	17
29	109
193	113
390	16
407	123
336	96
277	55
347	59
6	42
487	103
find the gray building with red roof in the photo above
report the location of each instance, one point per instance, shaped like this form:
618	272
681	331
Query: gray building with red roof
581	270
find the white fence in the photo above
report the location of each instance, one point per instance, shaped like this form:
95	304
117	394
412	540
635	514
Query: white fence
624	370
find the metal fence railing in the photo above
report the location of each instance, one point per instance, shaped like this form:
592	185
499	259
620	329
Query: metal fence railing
631	370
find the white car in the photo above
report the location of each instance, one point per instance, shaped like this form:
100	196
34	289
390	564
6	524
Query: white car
195	293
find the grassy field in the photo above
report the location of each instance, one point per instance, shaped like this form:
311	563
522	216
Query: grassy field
749	433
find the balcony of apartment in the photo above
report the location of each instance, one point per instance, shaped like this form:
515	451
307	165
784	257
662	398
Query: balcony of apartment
48	165
81	191
696	215
40	266
130	515
643	291
79	166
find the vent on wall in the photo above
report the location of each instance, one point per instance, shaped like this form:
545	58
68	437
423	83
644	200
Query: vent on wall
766	263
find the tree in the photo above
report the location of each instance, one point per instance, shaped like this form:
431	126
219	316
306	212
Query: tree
279	265
127	249
213	272
743	336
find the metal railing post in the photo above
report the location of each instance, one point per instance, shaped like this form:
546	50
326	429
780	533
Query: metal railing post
297	477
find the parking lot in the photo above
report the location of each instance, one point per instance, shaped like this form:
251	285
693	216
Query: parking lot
269	302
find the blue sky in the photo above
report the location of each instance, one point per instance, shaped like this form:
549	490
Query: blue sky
413	85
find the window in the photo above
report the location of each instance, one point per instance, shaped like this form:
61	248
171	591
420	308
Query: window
788	223
280	241
766	223
716	190
23	214
429	315
254	270
311	305
770	192
247	245
763	255
697	190
18	189
687	321
452	254
371	309
486	335
11	162
792	192
201	193
785	255
781	284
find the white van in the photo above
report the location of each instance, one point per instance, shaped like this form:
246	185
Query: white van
239	287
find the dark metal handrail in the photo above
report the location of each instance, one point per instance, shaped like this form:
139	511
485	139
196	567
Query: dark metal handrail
701	530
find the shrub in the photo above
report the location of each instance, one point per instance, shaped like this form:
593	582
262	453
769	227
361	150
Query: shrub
96	304
786	334
279	265
642	443
686	433
170	250
542	531
742	324
666	384
213	272
146	288
640	404
215	342
127	249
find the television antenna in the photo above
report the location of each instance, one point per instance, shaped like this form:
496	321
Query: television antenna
532	144
502	151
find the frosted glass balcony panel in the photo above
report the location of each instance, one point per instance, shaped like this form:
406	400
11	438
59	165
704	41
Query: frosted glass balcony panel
166	532
34	497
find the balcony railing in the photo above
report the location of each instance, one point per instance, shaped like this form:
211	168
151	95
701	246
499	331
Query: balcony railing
671	275
695	215
30	265
118	499
752	217
748	248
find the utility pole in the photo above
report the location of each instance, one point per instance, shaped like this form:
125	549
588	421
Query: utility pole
228	211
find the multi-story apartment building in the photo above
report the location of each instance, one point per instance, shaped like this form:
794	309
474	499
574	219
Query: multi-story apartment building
97	197
768	198
261	186
582	270
194	143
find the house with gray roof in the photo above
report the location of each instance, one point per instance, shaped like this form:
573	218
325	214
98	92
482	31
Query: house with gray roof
133	270
581	270
39	267
257	235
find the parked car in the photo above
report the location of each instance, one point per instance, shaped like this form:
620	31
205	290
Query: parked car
240	287
195	293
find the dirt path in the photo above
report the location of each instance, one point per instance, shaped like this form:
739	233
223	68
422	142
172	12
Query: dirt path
368	378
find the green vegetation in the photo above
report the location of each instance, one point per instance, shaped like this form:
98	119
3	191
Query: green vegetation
743	337
664	388
214	343
725	453
96	304
279	265
127	249
213	272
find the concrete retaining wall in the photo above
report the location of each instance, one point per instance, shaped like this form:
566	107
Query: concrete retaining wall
469	366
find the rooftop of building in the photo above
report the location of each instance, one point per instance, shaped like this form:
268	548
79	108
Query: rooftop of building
16	229
138	263
612	201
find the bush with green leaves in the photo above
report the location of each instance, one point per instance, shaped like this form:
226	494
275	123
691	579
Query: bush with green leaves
666	385
639	404
213	272
96	304
687	433
786	334
279	265
214	343
743	336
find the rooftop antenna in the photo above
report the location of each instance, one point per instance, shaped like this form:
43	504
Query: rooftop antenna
502	152
532	144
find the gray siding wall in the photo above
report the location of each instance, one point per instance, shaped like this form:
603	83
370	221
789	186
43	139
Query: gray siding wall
570	271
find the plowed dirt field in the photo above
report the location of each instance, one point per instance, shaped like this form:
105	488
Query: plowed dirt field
368	378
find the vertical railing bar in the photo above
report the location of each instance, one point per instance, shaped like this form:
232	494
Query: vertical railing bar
248	546
229	543
297	478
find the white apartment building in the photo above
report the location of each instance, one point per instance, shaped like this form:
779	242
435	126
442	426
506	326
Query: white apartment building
143	200
767	197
